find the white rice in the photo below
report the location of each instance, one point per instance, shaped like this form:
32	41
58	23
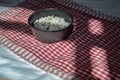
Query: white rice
51	23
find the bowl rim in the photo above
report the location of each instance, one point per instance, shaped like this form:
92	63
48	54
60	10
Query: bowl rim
66	12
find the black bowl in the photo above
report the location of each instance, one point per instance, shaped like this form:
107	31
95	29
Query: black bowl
51	36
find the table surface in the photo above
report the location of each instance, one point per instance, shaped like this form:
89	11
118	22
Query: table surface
110	7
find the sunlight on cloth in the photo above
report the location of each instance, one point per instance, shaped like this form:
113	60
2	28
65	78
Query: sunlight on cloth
95	27
99	63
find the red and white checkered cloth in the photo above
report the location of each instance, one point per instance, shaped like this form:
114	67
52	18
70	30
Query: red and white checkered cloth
92	52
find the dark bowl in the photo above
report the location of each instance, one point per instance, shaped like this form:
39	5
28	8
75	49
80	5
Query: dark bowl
51	36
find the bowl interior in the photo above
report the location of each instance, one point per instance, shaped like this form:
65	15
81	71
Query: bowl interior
49	12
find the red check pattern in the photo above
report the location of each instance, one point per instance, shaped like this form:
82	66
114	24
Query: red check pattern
92	52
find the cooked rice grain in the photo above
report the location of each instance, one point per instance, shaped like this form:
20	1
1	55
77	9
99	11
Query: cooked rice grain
51	23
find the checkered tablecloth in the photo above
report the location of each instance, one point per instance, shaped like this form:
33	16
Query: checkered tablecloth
92	52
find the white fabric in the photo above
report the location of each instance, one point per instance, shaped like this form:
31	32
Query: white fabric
5	4
13	67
